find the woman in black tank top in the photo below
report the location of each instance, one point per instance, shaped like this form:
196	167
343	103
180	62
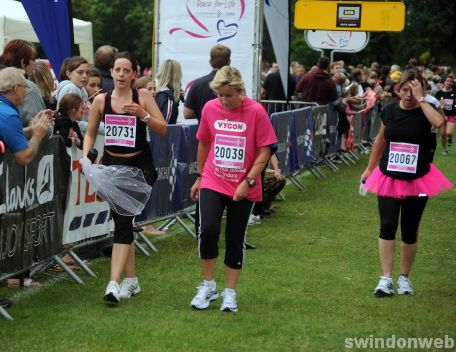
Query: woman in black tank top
126	114
405	178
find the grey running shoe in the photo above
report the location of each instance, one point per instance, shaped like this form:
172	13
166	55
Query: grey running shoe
229	303
404	286
205	294
384	287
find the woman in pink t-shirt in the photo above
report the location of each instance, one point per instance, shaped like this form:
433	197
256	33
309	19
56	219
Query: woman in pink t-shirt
234	136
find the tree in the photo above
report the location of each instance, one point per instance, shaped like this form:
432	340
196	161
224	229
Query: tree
127	25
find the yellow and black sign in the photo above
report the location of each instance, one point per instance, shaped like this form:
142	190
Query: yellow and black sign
366	16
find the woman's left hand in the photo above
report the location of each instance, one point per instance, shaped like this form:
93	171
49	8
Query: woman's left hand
241	191
134	109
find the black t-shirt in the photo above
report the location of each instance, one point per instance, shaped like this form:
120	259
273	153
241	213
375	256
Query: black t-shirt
448	101
274	87
406	126
200	93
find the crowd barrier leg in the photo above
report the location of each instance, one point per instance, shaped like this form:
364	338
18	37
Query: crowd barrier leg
140	248
185	226
317	171
190	217
330	164
296	182
81	263
40	268
167	224
346	160
70	272
147	241
5	314
354	155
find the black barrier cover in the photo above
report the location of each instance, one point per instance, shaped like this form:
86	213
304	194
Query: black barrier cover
192	152
320	120
281	122
331	131
305	137
166	190
32	203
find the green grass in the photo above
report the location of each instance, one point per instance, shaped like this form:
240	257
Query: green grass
307	287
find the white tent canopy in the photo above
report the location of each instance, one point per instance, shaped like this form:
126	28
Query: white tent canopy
15	24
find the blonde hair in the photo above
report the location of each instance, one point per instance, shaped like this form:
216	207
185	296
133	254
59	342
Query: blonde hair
42	77
11	77
339	78
142	82
169	76
228	76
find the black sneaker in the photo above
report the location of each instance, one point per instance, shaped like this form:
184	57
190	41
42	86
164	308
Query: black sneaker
5	303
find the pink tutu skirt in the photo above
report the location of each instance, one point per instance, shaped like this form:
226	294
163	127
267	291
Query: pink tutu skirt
429	185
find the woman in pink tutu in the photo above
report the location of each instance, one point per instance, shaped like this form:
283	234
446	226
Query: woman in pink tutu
405	177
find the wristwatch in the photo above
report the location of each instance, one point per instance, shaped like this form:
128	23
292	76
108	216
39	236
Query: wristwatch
250	181
146	118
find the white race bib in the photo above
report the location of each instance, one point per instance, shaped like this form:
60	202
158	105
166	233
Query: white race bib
448	104
403	157
229	151
120	130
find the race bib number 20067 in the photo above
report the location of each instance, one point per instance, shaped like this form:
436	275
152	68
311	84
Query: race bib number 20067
120	130
403	157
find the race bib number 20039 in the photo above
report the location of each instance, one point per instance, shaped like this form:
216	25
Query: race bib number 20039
229	151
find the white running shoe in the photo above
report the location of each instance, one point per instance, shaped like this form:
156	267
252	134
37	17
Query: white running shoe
254	219
205	294
404	286
384	287
129	287
229	303
112	293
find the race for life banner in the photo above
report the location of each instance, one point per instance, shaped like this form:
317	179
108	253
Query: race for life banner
32	202
85	215
188	29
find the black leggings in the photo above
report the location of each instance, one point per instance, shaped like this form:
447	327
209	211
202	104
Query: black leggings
123	225
411	209
211	206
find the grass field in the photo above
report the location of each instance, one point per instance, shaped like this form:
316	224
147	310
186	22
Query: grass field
307	287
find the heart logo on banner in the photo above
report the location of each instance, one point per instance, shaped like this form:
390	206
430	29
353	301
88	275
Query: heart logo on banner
226	31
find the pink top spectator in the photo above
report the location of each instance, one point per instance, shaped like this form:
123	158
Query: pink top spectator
234	135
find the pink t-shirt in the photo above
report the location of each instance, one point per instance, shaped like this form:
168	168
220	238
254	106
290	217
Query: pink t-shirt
235	136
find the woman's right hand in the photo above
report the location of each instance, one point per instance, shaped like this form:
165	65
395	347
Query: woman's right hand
365	174
194	191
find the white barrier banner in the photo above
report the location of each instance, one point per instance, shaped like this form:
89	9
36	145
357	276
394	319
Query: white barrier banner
277	19
85	216
188	29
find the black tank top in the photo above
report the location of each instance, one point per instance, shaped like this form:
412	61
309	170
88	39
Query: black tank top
137	141
406	126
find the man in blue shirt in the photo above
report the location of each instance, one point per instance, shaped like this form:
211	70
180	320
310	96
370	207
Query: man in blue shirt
13	88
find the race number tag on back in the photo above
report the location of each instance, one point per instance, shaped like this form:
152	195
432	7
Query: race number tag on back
403	157
229	151
120	130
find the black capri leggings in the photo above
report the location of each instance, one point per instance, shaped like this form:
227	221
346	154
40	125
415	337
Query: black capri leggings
123	225
411	209
211	206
